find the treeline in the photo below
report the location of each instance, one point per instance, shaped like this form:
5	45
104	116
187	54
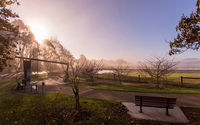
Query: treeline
27	46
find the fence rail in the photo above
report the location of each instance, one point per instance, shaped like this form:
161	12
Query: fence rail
187	78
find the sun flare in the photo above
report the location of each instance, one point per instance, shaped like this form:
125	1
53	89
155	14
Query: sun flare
40	31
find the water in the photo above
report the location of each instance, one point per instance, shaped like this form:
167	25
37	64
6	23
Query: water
105	71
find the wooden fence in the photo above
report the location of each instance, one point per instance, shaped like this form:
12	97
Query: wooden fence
187	78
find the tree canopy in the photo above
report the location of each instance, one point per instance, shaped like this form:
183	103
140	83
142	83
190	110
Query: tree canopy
8	32
188	36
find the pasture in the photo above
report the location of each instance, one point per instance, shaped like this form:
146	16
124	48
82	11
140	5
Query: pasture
19	108
171	84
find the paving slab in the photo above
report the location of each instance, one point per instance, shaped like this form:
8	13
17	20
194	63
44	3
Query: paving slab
159	114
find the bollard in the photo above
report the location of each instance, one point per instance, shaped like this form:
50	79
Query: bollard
36	88
43	84
181	80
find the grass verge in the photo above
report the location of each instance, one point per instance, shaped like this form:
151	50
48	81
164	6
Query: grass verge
139	89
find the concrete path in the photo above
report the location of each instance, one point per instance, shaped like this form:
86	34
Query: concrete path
185	100
159	114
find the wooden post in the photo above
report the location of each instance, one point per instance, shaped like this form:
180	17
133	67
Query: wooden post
138	78
67	74
43	84
181	80
114	76
27	70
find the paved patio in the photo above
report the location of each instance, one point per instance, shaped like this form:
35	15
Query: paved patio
159	114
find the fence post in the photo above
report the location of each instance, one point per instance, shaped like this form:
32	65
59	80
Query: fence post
138	78
181	80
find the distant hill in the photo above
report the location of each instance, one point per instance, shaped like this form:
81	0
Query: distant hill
189	64
183	64
113	63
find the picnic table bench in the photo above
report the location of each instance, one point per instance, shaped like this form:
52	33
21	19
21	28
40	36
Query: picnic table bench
157	102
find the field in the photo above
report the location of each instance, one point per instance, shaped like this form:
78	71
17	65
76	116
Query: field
19	108
171	84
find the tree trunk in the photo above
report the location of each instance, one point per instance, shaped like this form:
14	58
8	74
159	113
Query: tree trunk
92	78
66	74
77	102
120	80
158	81
76	94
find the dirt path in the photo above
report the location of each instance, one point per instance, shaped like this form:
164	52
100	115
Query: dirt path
185	100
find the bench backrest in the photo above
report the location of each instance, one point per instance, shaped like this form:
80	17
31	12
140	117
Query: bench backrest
161	102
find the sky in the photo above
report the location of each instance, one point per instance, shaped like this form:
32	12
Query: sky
110	29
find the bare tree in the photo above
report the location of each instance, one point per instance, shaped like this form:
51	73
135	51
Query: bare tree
76	70
121	72
157	68
92	68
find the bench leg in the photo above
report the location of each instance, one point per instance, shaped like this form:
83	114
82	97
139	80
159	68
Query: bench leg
167	112
141	104
141	109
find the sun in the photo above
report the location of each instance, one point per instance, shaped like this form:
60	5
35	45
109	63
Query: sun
40	31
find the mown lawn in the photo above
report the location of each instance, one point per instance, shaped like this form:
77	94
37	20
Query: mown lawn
172	78
170	84
18	108
26	109
143	90
103	84
175	77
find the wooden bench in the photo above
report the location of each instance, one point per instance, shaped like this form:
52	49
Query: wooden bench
157	102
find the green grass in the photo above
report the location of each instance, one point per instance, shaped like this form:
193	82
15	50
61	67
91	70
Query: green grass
143	90
175	77
114	85
169	82
35	109
54	109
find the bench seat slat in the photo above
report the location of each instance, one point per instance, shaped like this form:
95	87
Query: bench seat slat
146	101
170	102
159	103
156	105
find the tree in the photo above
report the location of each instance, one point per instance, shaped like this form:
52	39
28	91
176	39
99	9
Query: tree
8	32
92	68
188	36
26	45
76	69
157	68
121	72
52	49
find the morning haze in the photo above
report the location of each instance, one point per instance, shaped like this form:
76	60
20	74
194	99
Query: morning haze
99	62
130	30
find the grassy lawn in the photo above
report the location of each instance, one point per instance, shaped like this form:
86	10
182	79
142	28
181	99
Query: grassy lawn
22	109
131	83
17	108
138	89
175	77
